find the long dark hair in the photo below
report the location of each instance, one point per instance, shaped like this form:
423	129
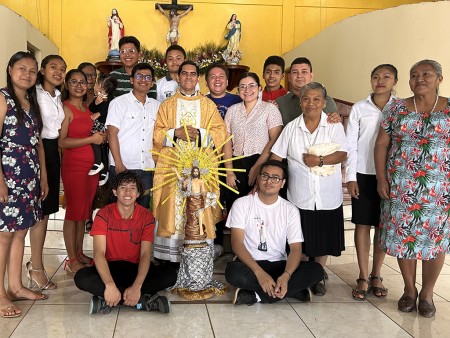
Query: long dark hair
44	63
31	92
65	93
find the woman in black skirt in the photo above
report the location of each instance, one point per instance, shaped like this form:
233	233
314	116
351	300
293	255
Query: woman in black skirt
362	131
50	78
315	150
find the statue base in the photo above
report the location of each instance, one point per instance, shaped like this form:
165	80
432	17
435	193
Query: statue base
113	56
195	277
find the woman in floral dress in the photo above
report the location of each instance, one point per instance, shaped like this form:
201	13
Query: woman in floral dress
22	181
412	160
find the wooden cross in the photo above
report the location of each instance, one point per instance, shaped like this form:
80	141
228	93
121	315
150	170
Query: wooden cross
174	5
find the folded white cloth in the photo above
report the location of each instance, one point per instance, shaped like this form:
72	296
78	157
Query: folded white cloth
324	149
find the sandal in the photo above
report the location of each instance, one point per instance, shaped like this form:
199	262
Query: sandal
14	296
33	284
10	311
359	294
85	260
69	269
376	290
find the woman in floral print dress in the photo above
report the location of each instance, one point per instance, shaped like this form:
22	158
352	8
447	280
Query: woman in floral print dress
22	181
412	159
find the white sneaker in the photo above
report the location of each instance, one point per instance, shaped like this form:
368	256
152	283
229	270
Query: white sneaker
96	168
103	179
218	251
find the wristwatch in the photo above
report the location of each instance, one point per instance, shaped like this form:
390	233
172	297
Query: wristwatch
321	161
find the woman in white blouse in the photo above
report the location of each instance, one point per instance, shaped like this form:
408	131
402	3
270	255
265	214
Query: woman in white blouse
315	150
50	78
255	126
362	130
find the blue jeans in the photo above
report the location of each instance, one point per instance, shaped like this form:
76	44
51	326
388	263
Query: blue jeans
147	181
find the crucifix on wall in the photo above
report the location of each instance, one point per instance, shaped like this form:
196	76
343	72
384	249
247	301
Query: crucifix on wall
174	18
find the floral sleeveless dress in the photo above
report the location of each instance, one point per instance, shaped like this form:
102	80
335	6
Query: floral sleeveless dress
415	220
21	170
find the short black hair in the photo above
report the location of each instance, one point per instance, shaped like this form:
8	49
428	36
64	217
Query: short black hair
128	176
140	66
300	60
188	62
176	47
217	65
130	39
274	60
274	163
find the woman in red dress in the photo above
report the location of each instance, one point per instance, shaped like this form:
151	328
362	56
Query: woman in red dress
79	188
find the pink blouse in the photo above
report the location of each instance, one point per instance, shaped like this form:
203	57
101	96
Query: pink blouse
251	132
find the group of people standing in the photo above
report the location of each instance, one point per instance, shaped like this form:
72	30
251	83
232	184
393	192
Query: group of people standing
394	153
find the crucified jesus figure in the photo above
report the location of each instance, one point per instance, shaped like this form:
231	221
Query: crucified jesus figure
174	20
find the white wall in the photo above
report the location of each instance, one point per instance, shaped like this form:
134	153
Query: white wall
15	35
344	54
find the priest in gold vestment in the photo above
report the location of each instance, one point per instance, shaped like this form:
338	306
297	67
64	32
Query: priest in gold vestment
197	112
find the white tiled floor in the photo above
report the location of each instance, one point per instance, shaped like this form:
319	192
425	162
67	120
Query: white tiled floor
65	313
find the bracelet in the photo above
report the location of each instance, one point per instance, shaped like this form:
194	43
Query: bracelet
321	161
288	273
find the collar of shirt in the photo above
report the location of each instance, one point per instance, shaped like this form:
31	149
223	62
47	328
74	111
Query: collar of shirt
39	87
117	214
134	99
369	100
301	122
168	77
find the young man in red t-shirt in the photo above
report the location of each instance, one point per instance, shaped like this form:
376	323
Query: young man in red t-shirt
123	241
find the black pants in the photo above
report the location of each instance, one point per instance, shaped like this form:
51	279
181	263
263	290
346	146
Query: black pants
241	276
242	186
124	274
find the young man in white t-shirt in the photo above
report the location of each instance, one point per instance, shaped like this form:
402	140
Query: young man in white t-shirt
260	226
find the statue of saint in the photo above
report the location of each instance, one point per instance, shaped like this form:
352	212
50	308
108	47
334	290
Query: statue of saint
195	276
232	54
174	20
116	30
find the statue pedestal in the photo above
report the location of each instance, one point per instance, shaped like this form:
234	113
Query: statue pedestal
235	72
107	67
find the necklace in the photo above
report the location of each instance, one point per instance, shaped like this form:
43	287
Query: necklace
376	104
432	109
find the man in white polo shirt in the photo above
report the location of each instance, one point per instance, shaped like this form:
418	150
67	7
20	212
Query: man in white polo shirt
260	226
130	122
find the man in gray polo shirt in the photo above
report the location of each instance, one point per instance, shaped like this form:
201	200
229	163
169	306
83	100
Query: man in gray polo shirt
299	76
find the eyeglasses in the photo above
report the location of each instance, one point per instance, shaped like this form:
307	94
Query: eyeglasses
271	179
141	77
75	83
250	86
90	75
129	50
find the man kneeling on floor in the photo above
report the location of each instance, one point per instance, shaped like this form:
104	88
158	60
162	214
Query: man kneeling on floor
123	241
260	225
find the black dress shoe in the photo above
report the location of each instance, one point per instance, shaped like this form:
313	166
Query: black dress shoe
427	309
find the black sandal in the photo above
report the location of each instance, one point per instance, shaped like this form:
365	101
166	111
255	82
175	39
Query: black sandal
358	294
376	290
